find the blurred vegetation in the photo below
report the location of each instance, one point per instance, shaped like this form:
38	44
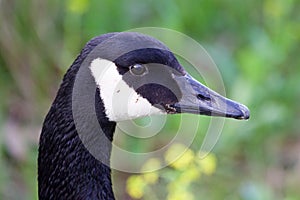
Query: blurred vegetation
177	179
254	43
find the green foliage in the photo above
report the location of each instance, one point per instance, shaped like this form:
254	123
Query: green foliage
185	168
254	43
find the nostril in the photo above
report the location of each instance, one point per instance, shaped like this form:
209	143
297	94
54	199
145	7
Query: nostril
203	97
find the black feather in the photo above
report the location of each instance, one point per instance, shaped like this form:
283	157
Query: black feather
66	170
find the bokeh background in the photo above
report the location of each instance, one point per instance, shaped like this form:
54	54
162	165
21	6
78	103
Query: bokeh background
255	45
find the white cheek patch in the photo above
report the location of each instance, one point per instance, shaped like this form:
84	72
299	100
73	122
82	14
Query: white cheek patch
121	102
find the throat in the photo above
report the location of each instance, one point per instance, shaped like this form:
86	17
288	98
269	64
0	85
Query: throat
66	167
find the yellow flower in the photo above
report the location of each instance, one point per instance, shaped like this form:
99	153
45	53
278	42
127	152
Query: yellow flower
150	175
208	164
180	195
190	174
135	186
151	165
179	156
178	190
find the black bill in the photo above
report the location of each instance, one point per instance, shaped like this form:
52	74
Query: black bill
198	99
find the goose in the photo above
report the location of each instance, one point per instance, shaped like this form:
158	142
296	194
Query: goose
117	76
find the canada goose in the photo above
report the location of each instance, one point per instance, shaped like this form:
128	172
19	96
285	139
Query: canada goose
144	73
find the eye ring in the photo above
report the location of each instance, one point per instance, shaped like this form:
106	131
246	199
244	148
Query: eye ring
138	69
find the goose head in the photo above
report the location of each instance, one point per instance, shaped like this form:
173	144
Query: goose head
139	76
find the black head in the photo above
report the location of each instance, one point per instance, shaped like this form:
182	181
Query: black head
138	75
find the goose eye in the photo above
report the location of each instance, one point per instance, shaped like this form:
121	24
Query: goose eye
138	69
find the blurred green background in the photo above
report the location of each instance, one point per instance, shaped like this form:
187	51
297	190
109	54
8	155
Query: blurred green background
255	45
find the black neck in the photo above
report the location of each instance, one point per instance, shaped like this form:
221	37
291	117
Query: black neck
66	169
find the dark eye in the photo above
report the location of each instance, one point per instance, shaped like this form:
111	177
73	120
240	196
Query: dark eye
138	69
